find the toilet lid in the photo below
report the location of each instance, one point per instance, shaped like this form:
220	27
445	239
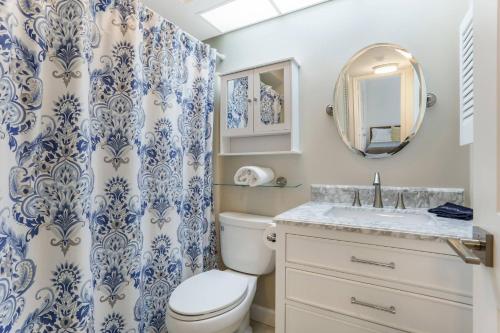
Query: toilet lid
208	292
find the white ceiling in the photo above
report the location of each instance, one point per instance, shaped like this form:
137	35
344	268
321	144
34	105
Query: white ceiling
184	13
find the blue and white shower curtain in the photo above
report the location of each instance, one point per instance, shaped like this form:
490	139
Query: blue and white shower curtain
105	165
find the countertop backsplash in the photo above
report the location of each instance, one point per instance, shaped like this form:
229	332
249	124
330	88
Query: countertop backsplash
414	197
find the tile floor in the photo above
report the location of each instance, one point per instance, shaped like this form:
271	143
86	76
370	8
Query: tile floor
261	328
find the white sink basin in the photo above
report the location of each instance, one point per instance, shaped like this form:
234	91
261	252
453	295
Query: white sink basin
359	214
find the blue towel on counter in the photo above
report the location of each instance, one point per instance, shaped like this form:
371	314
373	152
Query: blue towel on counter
453	211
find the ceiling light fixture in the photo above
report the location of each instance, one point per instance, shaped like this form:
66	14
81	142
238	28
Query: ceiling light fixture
236	14
385	68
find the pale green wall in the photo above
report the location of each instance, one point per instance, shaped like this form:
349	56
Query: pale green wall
322	39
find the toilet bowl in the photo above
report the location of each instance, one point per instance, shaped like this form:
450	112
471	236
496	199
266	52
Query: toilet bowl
227	314
219	301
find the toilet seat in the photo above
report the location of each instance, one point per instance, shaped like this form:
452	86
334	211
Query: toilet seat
215	292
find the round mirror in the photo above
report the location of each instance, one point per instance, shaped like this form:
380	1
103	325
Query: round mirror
380	100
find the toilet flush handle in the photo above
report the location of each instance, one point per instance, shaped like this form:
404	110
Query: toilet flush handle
272	237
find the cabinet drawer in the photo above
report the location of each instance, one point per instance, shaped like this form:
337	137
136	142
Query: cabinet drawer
300	320
390	307
443	273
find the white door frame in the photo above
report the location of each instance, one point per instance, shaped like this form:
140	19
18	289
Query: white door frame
485	159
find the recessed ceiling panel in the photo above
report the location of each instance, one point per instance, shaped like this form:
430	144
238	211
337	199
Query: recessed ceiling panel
239	13
193	16
287	6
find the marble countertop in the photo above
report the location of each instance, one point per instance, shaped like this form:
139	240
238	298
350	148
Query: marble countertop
315	214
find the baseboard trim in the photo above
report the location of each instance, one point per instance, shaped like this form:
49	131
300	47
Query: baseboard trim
262	315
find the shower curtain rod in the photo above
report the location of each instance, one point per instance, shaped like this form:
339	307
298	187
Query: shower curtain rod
219	55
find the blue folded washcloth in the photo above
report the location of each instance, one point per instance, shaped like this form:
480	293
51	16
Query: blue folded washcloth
453	211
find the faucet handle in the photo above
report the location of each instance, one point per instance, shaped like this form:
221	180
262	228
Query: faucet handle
400	203
376	179
356	202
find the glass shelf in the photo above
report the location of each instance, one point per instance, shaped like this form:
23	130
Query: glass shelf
292	185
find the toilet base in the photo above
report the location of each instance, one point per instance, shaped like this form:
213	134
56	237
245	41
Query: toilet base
245	325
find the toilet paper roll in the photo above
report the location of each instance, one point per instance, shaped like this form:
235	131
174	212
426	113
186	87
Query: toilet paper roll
269	236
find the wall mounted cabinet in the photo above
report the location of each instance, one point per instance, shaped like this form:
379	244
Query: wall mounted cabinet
259	110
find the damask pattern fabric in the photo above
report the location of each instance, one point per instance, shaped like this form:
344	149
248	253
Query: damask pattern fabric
106	113
237	103
271	105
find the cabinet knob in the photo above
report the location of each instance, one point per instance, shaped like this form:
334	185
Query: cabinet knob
249	100
255	99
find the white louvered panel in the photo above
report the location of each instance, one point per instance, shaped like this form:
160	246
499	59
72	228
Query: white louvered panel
467	79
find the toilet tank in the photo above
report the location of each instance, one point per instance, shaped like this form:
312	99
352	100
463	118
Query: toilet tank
242	243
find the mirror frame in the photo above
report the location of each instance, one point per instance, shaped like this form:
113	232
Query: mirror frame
422	102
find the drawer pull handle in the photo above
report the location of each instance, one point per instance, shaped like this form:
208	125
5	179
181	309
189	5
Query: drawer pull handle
390	265
390	309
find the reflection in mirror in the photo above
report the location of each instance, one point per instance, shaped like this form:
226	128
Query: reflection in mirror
237	103
380	100
271	97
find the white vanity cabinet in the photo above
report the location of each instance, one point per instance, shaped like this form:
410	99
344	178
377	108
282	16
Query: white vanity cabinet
259	110
331	281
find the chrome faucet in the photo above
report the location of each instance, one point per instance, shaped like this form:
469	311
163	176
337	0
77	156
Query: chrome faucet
377	199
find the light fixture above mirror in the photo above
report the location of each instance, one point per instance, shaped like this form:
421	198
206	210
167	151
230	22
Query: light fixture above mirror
385	68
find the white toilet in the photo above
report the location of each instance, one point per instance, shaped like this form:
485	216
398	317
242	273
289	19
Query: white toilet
219	301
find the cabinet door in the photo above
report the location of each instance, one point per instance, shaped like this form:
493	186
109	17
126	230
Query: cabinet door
237	104
272	98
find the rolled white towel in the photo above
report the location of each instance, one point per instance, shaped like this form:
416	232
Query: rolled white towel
261	176
253	176
242	176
